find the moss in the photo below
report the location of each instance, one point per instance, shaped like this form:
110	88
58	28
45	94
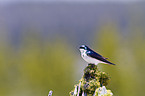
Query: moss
91	81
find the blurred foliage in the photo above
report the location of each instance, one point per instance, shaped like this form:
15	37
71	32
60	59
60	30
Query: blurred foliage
127	52
35	67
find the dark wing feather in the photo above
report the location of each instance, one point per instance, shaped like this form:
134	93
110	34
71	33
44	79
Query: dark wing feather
98	56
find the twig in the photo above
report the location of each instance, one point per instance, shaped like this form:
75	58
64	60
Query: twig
50	93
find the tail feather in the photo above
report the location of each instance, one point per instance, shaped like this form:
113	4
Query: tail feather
109	63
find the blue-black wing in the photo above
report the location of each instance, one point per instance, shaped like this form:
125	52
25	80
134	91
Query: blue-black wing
98	56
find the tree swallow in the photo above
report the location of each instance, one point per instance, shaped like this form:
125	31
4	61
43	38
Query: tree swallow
92	57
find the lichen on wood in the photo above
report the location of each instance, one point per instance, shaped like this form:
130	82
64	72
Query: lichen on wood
92	83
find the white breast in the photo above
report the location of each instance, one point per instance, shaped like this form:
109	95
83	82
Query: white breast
89	59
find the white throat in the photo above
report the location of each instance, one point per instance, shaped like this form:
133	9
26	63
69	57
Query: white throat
82	51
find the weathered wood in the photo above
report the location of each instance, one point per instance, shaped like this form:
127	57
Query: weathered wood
92	83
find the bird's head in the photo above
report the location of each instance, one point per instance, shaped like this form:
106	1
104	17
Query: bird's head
83	48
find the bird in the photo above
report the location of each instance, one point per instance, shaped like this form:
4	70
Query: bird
92	57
